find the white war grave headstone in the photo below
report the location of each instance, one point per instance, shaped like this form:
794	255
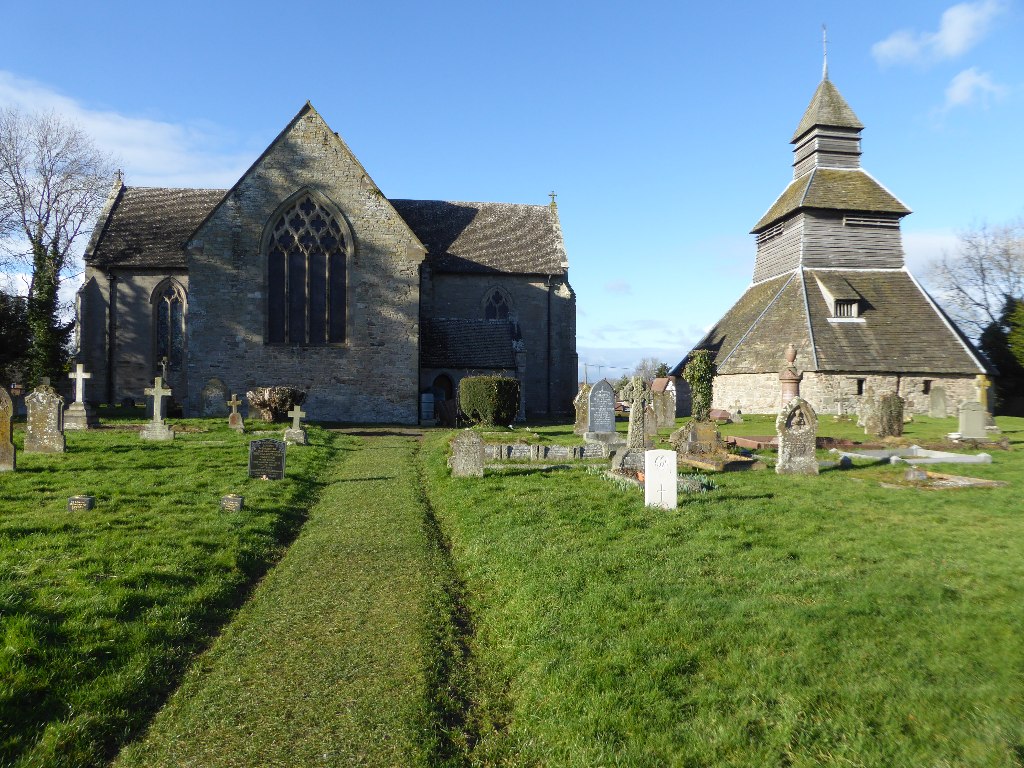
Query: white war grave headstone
660	479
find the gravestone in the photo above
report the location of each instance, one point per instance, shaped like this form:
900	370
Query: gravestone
637	440
660	479
266	459
797	428
972	421
937	403
869	416
601	408
44	432
650	421
235	418
232	502
890	415
697	438
213	399
467	459
81	503
665	408
580	402
7	456
296	435
79	415
157	429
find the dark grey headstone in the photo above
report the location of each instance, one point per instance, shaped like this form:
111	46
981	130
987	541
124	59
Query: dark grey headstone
601	408
266	459
797	427
232	503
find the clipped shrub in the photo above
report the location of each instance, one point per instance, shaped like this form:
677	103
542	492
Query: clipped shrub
699	373
273	403
489	400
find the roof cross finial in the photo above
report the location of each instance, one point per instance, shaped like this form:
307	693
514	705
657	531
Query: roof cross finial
552	195
824	56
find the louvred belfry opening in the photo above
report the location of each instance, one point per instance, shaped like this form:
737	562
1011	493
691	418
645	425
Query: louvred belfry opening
306	276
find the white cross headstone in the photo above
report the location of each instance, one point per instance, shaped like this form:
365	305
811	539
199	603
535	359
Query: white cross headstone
158	393
79	376
296	413
661	478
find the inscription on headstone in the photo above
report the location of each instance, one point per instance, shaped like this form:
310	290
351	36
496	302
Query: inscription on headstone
660	479
232	503
44	431
601	408
467	459
81	503
7	456
266	459
797	427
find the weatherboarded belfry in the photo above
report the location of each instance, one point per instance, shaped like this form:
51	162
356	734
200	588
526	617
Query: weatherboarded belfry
305	274
830	278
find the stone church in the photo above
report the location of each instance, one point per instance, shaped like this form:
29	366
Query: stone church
305	274
830	278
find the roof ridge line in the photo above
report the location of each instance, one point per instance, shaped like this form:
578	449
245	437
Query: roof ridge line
758	320
807	314
807	187
867	173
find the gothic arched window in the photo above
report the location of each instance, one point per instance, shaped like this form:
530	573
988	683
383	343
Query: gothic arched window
497	306
306	276
169	322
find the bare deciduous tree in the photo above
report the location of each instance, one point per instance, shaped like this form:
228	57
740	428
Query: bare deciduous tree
974	283
52	181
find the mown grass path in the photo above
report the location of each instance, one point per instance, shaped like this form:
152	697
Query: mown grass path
332	661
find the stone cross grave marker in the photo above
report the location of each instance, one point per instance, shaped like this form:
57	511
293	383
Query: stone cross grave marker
937	403
157	429
7	457
79	415
235	418
797	427
267	458
44	432
296	435
467	459
972	421
601	408
660	479
639	395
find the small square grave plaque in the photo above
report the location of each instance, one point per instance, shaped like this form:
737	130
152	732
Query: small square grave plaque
81	503
266	459
232	502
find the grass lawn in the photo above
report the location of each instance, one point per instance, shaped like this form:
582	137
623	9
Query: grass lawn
101	611
776	621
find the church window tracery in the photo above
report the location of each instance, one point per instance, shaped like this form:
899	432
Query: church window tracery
497	306
306	265
169	317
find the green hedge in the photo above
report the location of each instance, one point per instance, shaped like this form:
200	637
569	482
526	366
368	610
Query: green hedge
489	400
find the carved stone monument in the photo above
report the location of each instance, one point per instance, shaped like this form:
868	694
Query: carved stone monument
937	403
213	399
580	402
789	377
7	455
79	415
157	429
467	459
295	434
797	427
235	418
44	432
660	479
637	440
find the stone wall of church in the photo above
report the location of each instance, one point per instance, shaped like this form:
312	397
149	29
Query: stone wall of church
547	320
759	392
133	366
373	376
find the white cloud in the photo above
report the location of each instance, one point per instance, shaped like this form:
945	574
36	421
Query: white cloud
961	27
971	87
925	248
152	152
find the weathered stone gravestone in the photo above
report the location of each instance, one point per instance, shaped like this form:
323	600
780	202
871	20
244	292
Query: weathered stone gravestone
663	394
213	399
868	414
44	432
697	438
467	459
890	415
157	429
650	421
79	415
580	402
660	479
797	428
296	435
235	418
639	395
601	408
972	421
267	458
937	403
7	456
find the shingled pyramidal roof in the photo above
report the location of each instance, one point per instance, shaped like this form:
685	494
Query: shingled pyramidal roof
829	275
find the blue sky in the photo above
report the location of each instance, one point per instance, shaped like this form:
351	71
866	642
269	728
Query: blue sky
663	127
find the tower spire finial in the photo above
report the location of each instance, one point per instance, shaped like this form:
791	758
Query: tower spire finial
824	54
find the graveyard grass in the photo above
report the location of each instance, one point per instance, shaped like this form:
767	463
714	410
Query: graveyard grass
101	611
531	617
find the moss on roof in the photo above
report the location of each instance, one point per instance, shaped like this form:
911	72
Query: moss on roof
827	107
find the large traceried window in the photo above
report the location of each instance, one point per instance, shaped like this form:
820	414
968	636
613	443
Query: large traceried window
169	311
497	306
306	276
